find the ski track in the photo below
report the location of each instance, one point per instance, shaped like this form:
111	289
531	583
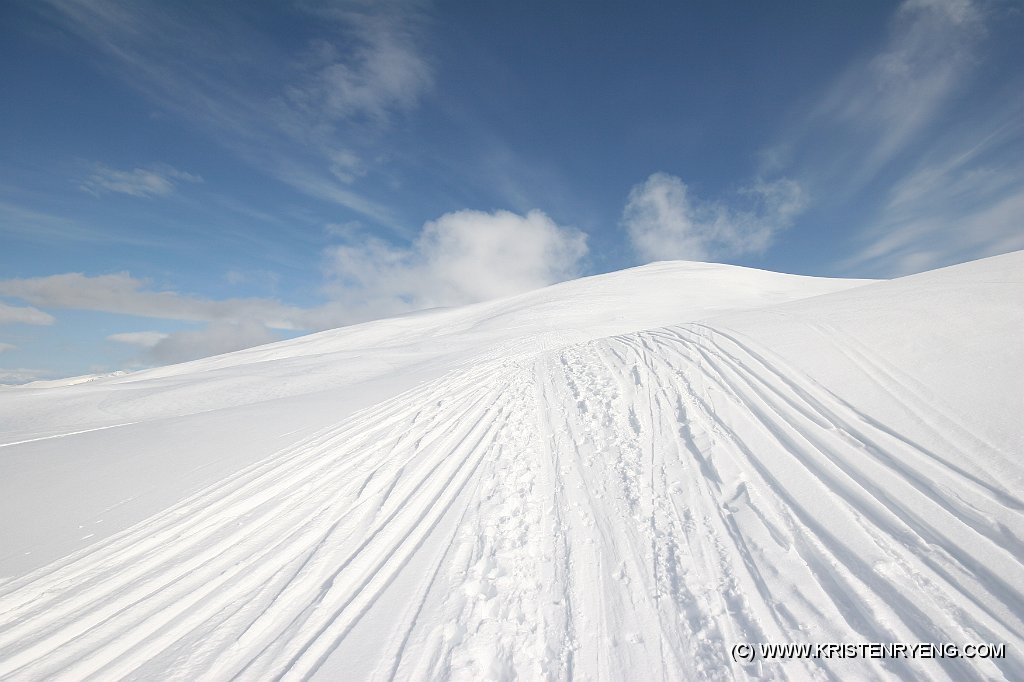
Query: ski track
626	508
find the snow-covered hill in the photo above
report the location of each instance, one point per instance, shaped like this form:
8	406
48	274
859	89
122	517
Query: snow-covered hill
619	477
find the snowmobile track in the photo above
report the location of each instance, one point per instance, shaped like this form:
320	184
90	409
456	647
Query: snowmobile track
626	508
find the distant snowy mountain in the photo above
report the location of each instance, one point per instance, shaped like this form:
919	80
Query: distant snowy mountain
619	477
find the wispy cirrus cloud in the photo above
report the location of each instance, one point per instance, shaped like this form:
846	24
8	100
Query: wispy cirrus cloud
381	73
158	180
891	97
883	102
29	223
299	113
963	200
904	141
665	220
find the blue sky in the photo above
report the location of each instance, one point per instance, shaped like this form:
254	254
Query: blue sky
182	179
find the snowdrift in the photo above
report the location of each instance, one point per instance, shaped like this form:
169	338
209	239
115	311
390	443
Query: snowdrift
620	477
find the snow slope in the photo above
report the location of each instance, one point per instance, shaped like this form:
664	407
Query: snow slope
79	463
615	478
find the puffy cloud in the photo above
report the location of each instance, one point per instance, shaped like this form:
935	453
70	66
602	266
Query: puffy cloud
462	257
158	180
25	315
6	347
474	256
665	221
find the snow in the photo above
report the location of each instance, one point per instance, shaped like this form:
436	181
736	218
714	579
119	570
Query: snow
616	478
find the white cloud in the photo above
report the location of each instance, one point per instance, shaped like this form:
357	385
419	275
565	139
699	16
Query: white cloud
665	221
461	257
231	323
27	223
6	347
312	182
912	151
214	339
303	114
124	294
143	339
962	201
10	314
346	166
896	93
944	232
380	73
155	181
884	103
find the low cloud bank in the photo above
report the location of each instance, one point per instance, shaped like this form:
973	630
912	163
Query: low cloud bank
462	257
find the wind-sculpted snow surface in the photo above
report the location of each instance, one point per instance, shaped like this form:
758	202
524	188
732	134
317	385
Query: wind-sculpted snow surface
626	508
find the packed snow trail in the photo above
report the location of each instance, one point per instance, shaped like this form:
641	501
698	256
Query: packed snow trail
626	508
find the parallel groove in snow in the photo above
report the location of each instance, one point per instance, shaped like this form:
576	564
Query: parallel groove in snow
621	509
